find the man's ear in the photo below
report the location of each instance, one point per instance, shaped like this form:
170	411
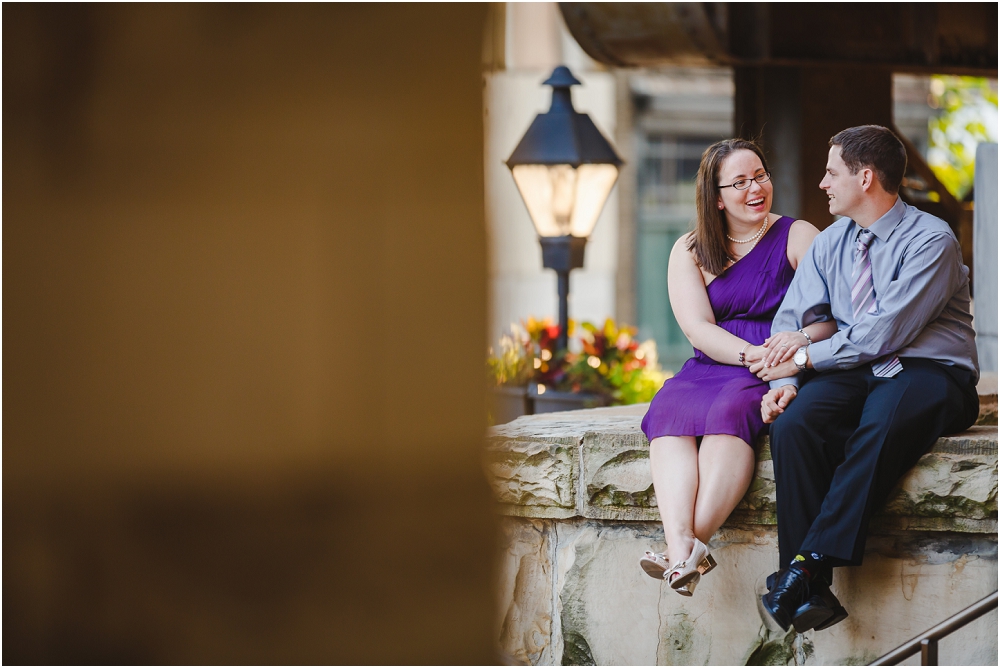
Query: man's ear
867	177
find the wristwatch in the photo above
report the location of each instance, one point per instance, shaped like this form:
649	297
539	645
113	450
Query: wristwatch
801	357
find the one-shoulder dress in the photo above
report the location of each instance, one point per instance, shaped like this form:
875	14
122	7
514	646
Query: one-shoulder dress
706	397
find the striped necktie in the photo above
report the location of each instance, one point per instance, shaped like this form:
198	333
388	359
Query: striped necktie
863	300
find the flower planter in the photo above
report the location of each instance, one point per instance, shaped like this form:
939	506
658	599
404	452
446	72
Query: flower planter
508	403
550	401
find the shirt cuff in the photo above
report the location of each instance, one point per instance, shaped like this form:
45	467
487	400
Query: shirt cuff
781	382
821	355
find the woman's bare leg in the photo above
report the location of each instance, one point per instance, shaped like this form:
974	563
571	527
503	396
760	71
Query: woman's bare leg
674	464
725	469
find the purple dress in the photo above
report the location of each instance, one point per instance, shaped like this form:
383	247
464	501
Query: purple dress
706	397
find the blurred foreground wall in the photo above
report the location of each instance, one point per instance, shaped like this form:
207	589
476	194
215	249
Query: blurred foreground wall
244	278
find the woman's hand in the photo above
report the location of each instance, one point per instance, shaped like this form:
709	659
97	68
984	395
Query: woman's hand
782	346
754	354
780	370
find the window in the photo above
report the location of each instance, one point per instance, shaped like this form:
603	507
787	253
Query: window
678	115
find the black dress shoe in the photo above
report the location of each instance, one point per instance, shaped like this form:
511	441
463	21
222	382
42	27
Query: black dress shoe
822	596
790	592
820	611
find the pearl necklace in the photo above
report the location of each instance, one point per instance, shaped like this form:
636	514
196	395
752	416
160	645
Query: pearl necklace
755	238
759	234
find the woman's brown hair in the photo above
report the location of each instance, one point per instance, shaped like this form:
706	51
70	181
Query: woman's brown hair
708	243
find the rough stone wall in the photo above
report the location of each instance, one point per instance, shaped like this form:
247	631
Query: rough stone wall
580	508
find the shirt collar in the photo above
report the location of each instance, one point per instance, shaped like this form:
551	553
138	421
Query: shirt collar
884	226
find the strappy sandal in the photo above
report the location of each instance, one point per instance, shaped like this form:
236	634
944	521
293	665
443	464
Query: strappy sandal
688	589
655	565
691	569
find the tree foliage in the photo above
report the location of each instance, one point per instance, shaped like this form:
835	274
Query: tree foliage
968	118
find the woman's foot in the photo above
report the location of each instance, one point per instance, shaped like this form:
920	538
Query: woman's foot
688	589
699	562
679	546
655	565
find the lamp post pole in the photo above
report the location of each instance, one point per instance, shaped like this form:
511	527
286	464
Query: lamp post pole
562	343
563	254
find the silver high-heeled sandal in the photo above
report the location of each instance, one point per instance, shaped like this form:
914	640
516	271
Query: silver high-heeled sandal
688	589
697	564
655	565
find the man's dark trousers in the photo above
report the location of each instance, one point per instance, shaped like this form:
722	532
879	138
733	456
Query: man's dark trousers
847	438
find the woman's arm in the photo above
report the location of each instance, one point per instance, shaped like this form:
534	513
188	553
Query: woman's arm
689	301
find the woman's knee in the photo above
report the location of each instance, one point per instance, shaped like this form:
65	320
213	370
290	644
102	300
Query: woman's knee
704	531
722	452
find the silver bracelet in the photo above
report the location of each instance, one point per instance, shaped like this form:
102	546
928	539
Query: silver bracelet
743	355
804	333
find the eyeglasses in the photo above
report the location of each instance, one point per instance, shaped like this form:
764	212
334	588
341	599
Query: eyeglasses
743	184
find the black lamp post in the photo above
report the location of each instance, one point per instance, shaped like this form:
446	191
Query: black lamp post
564	169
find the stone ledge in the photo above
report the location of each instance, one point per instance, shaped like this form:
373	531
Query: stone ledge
594	464
534	471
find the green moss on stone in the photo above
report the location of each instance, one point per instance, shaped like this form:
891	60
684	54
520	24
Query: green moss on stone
759	496
609	495
576	650
932	505
678	642
987	412
626	457
808	648
863	660
779	651
540	458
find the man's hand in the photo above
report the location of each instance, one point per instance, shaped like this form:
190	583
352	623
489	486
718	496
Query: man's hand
781	346
776	401
785	369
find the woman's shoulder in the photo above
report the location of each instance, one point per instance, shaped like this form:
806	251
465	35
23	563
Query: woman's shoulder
802	228
684	245
801	234
683	258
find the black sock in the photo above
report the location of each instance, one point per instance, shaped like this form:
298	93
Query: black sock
810	562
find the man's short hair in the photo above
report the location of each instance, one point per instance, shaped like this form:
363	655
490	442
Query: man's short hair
877	148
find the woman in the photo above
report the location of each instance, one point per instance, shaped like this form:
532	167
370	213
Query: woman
726	280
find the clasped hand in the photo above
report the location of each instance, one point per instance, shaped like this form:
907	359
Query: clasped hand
776	401
776	361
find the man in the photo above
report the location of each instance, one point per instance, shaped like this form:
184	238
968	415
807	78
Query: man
900	372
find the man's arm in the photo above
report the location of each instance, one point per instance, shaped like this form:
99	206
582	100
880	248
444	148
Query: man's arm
929	275
807	301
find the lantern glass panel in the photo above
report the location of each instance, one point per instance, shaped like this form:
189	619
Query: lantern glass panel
564	200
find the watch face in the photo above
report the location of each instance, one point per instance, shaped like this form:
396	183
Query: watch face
800	357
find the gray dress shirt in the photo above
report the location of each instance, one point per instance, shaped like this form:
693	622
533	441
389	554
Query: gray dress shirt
921	294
